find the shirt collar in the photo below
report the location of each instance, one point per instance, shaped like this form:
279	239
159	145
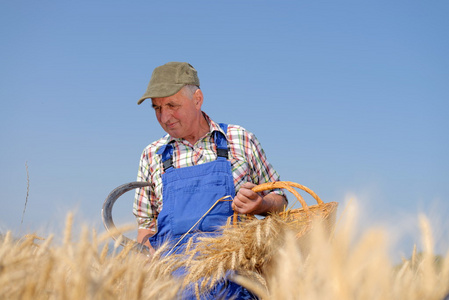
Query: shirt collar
213	126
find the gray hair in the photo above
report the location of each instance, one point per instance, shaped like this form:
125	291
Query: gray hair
189	89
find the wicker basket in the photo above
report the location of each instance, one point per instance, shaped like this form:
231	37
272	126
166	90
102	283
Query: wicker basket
301	219
248	245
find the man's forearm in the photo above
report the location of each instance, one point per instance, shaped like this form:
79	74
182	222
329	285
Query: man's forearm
272	203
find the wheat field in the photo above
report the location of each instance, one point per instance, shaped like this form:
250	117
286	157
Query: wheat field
268	259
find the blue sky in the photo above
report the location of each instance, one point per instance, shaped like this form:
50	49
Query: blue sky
347	98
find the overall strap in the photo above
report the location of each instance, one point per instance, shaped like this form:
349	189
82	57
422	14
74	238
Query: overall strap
167	155
221	142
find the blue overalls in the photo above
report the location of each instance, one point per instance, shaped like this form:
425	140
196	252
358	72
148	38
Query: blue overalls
188	193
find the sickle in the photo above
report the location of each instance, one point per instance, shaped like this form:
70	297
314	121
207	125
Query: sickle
106	214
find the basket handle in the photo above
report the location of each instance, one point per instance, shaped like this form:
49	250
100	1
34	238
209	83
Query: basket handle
288	185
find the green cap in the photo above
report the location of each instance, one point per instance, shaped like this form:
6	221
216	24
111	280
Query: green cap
169	79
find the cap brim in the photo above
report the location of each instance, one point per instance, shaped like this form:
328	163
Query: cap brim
141	100
161	91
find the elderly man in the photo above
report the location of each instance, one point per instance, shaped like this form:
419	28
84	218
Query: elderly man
198	162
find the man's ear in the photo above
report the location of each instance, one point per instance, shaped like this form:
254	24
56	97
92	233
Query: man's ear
198	98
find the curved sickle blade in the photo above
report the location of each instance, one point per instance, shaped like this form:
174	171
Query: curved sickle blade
106	214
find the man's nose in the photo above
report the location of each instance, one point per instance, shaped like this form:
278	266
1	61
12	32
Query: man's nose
165	115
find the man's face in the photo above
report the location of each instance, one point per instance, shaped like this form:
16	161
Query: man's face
179	115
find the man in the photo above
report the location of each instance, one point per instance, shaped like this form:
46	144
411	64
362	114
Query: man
195	164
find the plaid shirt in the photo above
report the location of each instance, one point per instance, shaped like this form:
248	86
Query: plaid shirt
248	161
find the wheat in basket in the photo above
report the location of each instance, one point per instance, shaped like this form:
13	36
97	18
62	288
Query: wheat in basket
247	244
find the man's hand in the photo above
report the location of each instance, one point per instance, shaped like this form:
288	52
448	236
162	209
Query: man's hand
249	202
246	201
142	237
